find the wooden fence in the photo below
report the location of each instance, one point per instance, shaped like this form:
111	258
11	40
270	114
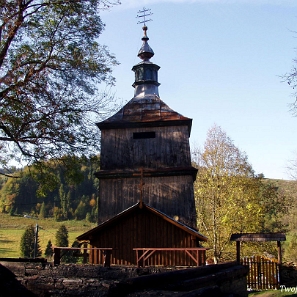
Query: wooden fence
172	256
263	273
105	254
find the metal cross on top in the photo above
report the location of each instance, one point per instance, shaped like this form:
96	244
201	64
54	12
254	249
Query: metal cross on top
143	14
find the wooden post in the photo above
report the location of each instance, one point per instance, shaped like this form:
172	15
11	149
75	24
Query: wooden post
279	259
139	262
238	251
279	253
107	255
57	256
35	241
203	252
85	253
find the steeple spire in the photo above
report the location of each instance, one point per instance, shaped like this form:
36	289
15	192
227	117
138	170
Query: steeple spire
145	52
146	73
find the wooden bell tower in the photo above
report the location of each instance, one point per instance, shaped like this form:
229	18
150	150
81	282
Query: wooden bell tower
145	152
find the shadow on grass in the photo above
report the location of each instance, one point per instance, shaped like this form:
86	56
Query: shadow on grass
6	241
6	251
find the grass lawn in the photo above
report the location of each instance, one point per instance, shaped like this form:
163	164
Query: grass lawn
13	227
275	293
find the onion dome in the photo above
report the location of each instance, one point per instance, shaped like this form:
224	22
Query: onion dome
146	73
145	52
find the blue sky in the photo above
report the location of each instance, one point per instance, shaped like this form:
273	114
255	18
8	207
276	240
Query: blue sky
221	63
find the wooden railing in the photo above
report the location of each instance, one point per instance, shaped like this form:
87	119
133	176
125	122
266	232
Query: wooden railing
196	254
58	254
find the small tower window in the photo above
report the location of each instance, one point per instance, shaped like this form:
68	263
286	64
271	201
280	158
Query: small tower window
144	135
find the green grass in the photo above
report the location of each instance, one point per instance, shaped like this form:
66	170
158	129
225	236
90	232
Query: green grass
274	293
13	227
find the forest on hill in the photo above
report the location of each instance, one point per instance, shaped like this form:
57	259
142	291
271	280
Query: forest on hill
56	196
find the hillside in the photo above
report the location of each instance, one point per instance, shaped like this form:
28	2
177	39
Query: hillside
54	194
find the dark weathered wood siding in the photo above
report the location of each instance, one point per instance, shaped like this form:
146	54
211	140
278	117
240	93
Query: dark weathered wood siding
143	229
170	148
172	195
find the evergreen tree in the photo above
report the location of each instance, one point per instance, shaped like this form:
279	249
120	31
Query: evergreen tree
62	236
49	250
80	212
72	256
62	196
62	240
28	243
42	212
89	217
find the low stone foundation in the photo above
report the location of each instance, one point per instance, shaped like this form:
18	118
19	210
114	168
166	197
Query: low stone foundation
228	279
32	279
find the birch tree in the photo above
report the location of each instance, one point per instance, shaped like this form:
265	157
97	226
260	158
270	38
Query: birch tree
226	192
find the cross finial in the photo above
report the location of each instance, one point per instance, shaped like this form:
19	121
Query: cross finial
143	14
141	174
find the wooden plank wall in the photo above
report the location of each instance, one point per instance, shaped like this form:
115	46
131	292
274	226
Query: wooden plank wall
173	195
169	148
144	229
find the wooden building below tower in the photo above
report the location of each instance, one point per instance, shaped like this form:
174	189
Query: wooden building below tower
142	228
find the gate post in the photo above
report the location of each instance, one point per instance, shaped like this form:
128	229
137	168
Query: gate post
279	253
279	260
85	253
107	255
56	256
238	252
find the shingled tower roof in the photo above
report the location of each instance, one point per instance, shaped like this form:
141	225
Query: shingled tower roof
145	108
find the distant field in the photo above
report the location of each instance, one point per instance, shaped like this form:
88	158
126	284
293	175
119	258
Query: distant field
13	227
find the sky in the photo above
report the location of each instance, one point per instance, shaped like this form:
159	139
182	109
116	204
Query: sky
222	63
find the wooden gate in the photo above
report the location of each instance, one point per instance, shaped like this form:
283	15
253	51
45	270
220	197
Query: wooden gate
263	273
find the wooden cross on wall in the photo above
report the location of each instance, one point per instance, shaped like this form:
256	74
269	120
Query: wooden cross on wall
142	183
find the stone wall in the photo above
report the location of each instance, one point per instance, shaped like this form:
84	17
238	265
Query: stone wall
228	279
33	279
